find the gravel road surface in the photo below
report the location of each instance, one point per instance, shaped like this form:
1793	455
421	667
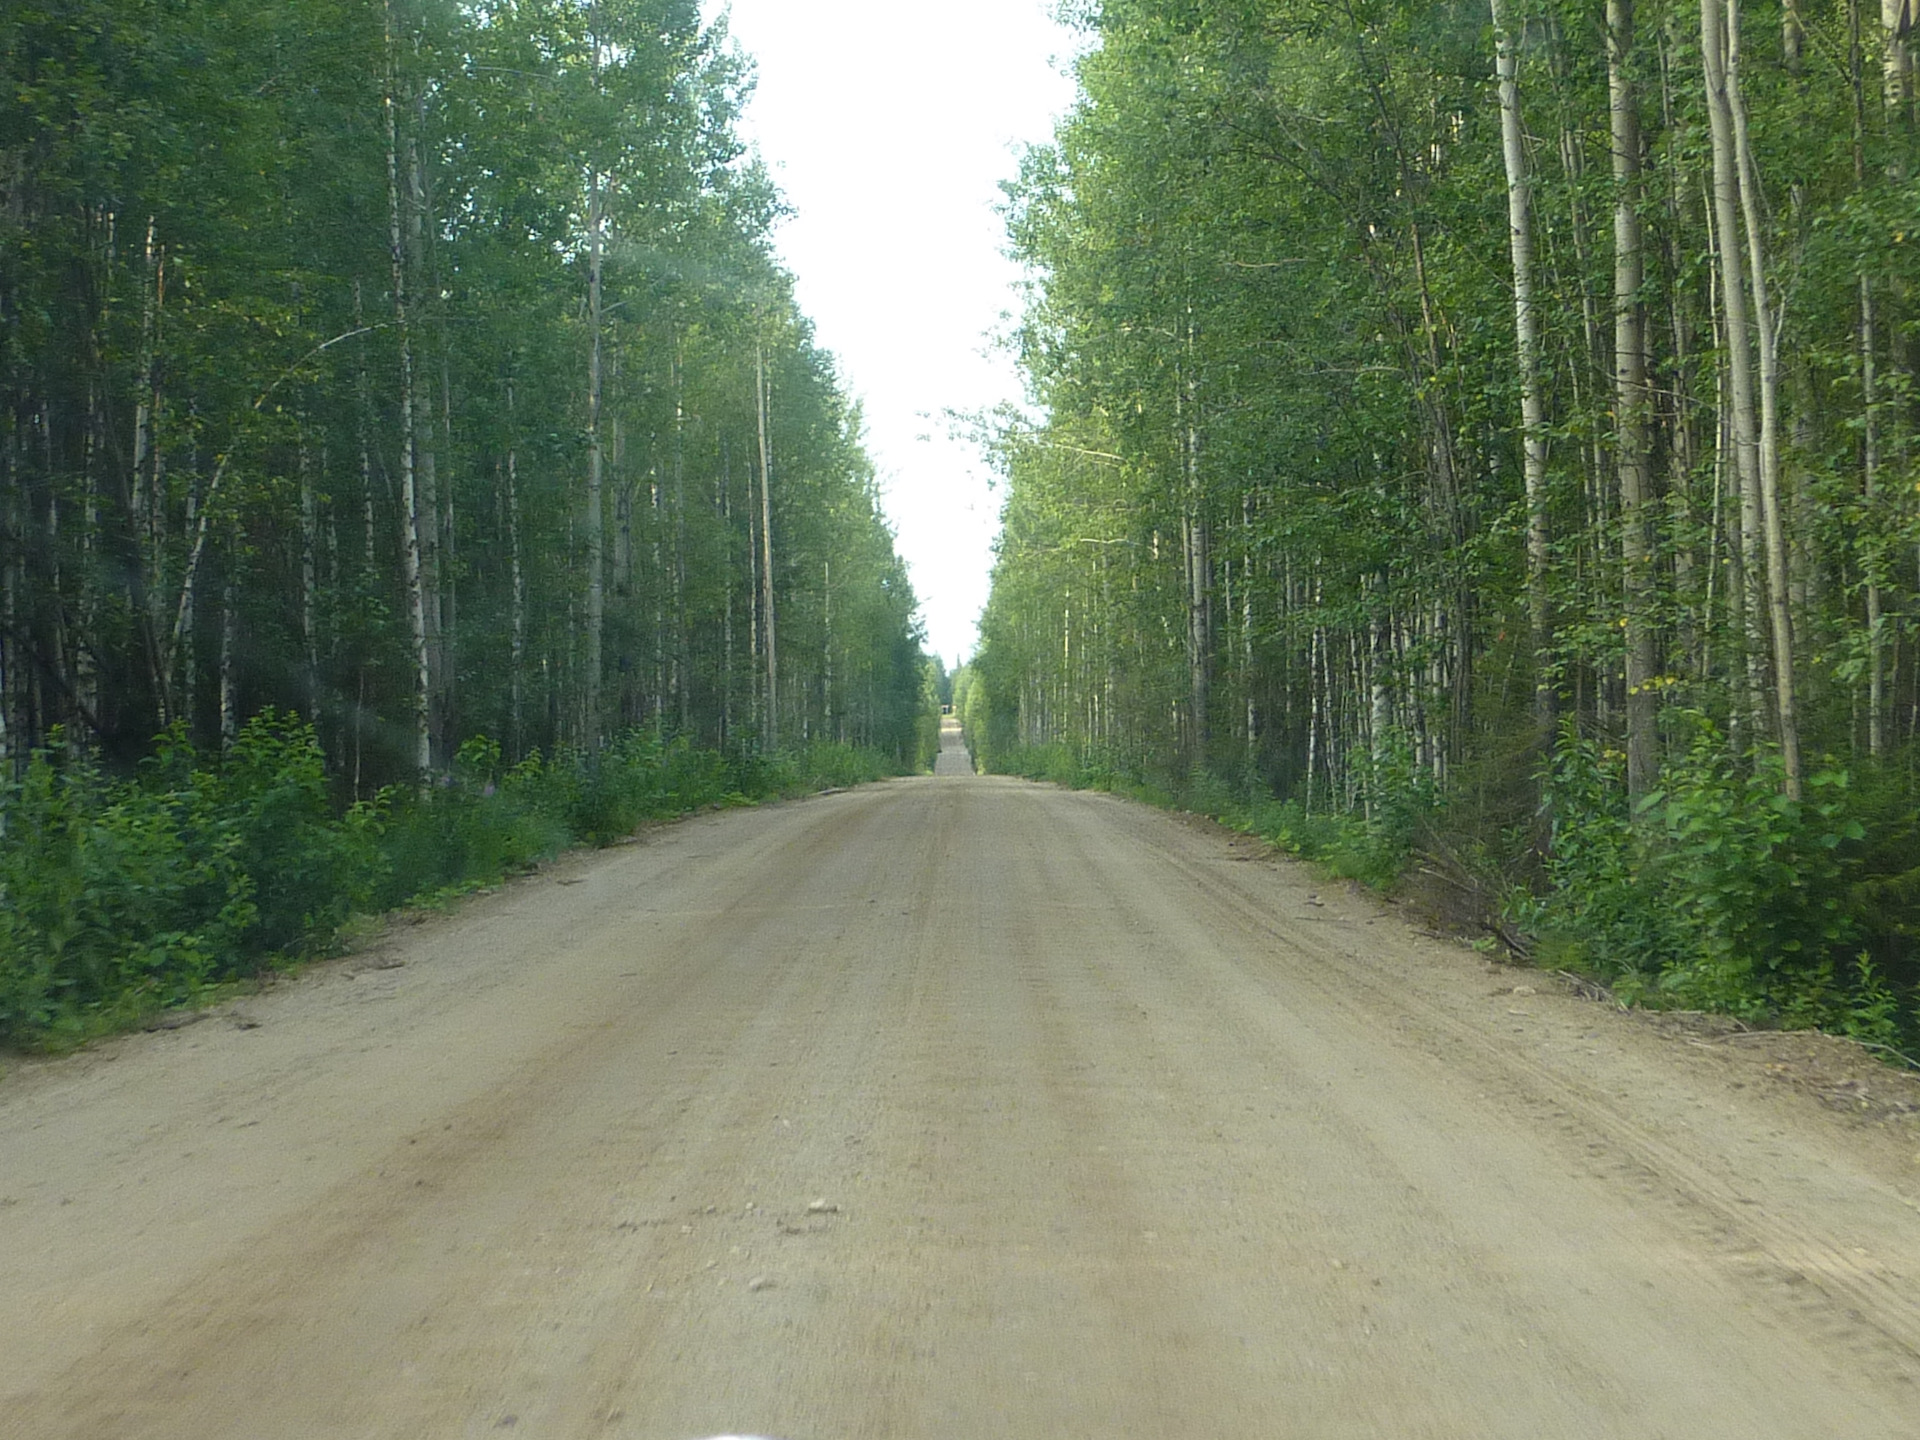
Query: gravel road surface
949	1107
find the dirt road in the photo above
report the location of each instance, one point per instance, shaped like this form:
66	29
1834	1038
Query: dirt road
950	1107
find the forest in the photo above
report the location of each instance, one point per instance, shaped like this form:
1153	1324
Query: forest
1477	444
402	414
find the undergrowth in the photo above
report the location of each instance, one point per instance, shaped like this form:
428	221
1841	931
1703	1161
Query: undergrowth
1719	894
121	897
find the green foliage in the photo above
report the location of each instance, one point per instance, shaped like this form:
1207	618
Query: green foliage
200	296
1275	520
1721	893
139	893
122	897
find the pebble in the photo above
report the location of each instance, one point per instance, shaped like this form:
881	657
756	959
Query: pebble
759	1283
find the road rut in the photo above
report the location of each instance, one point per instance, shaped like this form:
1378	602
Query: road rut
949	1107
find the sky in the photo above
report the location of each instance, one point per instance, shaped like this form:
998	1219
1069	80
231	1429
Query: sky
889	125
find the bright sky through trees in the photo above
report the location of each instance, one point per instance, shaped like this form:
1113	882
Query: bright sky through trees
889	125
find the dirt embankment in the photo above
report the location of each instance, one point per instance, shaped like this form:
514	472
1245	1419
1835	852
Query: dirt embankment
946	1108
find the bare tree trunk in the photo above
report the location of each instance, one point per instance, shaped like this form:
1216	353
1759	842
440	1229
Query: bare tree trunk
148	518
412	565
1896	61
826	652
363	410
682	660
1246	621
186	619
1683	507
1779	593
1526	326
1872	560
596	521
309	584
772	718
726	653
1632	404
426	470
756	670
1197	535
85	648
12	533
1738	343
517	659
447	566
230	643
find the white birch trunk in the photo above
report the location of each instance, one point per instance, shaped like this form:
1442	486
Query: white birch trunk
410	507
1738	344
230	644
517	592
1779	595
1526	327
596	518
309	586
1632	403
772	697
426	471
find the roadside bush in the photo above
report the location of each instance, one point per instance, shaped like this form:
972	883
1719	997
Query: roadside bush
1055	763
123	896
830	765
478	824
120	897
1723	894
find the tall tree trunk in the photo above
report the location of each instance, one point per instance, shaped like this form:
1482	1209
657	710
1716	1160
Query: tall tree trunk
682	660
309	585
1737	340
447	563
727	577
1896	60
1526	326
363	425
230	642
412	565
426	465
185	651
1872	558
1779	592
772	716
596	519
149	508
1632	406
517	592
1197	534
12	533
826	652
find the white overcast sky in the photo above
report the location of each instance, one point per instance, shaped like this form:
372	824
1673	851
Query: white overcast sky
889	125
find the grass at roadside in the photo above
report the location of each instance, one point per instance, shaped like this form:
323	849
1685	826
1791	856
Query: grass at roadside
123	897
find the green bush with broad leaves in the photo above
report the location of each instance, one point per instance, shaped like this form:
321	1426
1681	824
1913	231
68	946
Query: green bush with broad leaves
1722	893
121	897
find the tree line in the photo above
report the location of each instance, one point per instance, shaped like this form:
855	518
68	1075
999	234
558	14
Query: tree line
422	368
1494	425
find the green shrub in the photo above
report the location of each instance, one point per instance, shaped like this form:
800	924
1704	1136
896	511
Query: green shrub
118	897
136	894
1722	893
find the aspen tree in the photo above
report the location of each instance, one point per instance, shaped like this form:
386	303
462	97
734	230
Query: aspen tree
411	545
1526	325
1632	405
